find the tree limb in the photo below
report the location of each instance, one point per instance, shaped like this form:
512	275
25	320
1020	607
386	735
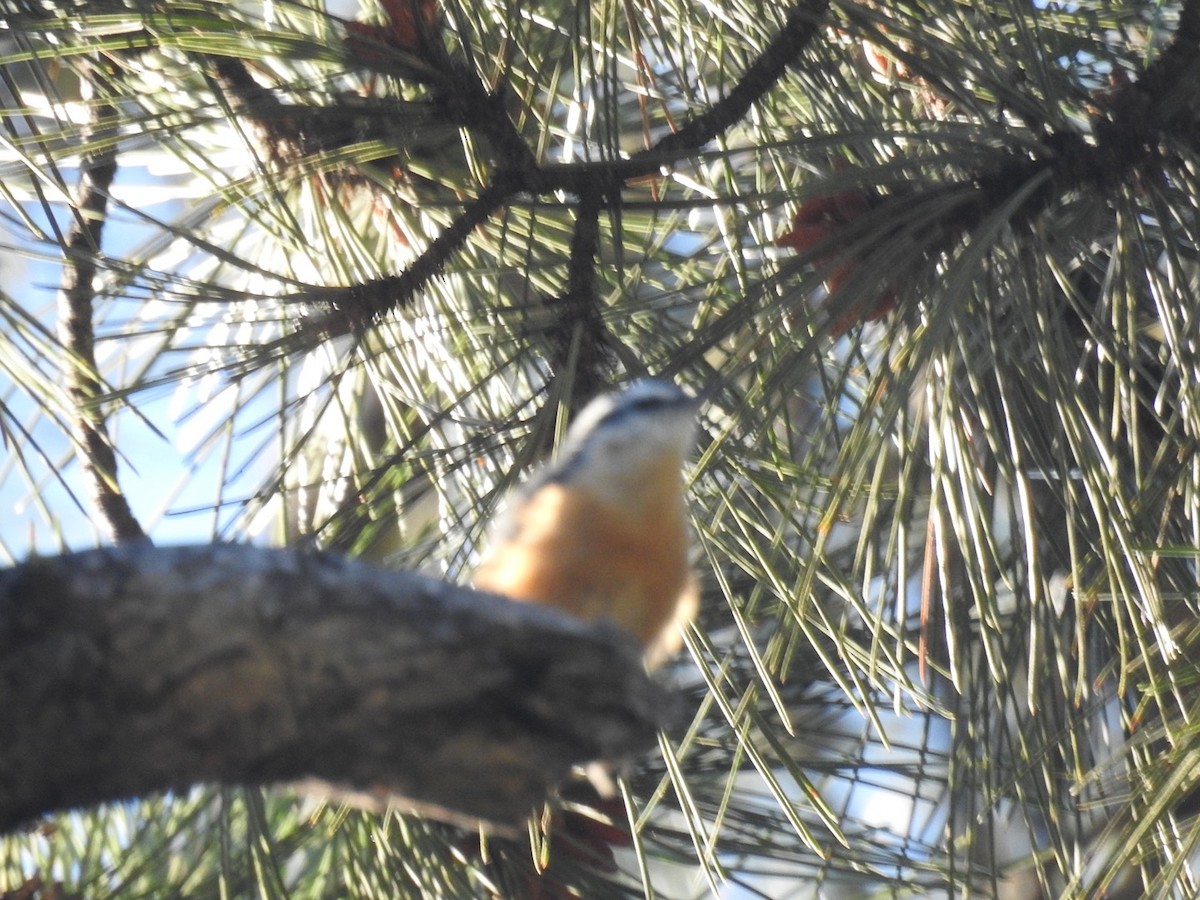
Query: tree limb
97	168
355	307
580	344
1133	123
137	669
803	21
518	171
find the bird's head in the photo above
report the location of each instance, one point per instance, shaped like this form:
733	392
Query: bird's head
618	438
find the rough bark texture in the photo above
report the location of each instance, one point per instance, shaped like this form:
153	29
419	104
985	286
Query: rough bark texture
137	669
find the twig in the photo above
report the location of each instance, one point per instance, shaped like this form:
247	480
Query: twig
278	133
800	28
97	168
473	105
359	305
579	340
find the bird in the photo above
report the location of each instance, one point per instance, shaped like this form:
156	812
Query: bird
601	531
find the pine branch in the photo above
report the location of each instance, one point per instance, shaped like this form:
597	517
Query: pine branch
1139	117
359	305
136	669
1173	71
97	169
1129	138
518	172
580	344
800	28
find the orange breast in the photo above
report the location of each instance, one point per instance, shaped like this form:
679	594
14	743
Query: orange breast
597	560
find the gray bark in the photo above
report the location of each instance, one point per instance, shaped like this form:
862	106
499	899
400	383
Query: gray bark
137	669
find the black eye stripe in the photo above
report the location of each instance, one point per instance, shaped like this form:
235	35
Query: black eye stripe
644	404
577	451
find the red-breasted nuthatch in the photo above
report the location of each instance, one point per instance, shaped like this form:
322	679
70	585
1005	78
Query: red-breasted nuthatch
601	532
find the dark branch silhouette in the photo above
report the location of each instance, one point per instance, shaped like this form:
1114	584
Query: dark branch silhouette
1128	132
77	290
288	132
579	342
803	22
1130	137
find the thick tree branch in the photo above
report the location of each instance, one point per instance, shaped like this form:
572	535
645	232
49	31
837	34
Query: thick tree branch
138	669
97	168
